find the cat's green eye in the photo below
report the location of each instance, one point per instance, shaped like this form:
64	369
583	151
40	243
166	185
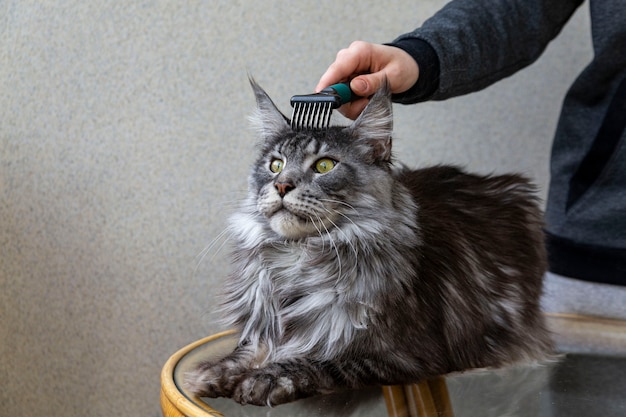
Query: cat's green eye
324	165
277	165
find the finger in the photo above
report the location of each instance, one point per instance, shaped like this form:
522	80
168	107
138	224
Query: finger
337	72
349	62
367	85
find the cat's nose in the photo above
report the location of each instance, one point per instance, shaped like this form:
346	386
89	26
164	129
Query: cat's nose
283	188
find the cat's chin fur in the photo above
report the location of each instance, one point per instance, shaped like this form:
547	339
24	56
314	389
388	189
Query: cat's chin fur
293	227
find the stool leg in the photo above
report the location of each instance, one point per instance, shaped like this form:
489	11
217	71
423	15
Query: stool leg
428	398
420	400
396	401
441	397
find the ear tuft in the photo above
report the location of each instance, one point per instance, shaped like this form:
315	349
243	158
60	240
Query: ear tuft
374	126
267	119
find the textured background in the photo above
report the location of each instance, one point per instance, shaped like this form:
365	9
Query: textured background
124	145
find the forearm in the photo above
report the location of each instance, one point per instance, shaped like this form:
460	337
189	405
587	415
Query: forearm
478	42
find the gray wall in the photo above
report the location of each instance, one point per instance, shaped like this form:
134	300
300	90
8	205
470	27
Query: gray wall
124	145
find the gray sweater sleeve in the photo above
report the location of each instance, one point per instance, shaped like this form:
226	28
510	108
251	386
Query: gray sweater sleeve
478	42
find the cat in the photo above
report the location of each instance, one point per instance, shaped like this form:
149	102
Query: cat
351	271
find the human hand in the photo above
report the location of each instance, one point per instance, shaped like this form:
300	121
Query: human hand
365	65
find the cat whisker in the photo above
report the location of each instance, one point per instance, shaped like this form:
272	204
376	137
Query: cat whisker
204	252
241	203
342	215
207	248
354	249
334	245
348	240
240	197
332	210
350	206
319	231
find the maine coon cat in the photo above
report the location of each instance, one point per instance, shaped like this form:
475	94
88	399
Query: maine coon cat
350	271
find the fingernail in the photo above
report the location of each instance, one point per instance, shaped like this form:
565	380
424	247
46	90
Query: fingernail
358	86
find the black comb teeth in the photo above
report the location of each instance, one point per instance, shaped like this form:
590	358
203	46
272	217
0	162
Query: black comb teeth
313	111
311	115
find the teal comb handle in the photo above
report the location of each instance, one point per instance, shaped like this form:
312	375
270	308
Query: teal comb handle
342	90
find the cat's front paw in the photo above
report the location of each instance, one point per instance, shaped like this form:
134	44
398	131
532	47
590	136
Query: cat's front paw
262	388
210	381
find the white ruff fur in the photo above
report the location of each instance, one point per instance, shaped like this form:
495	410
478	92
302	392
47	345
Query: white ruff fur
310	297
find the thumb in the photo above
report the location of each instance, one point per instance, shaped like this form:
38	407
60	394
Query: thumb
366	85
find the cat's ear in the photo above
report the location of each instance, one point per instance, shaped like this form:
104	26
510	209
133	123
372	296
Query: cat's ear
267	119
374	125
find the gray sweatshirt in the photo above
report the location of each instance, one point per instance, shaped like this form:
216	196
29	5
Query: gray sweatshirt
471	44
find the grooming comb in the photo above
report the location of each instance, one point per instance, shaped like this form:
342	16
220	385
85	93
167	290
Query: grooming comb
313	111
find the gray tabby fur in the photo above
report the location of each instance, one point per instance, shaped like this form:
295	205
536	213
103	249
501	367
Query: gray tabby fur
372	273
